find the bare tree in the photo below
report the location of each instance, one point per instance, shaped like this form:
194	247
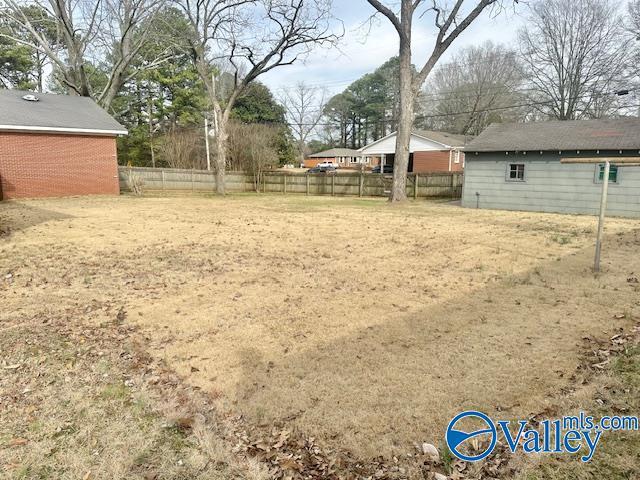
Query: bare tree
108	32
473	90
574	55
246	39
304	105
450	22
181	148
634	17
633	28
252	149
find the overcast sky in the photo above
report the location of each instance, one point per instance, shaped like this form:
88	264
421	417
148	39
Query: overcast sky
361	51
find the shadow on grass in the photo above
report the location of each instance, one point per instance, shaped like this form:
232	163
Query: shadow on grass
508	349
18	215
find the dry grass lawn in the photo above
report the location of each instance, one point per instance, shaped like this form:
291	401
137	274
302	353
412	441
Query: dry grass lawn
364	325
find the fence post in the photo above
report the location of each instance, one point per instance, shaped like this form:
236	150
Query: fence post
284	183
416	179
307	184
453	186
193	182
333	184
163	181
361	185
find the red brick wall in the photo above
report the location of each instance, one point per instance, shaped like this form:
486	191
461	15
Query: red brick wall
425	162
314	162
51	165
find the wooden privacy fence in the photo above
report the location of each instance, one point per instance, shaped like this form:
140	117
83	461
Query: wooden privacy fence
423	185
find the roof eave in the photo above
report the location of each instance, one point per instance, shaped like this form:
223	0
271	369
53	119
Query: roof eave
447	147
72	131
547	150
413	133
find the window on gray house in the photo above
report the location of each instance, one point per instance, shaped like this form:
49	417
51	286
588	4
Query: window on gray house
515	172
613	173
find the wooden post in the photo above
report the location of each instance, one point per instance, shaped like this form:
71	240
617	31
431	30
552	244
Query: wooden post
163	187
361	186
415	186
284	183
193	182
333	184
307	184
453	185
603	211
264	183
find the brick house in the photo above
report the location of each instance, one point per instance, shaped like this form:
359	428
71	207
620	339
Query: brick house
340	157
430	151
56	145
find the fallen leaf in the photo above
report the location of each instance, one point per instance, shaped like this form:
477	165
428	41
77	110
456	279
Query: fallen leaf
18	442
289	464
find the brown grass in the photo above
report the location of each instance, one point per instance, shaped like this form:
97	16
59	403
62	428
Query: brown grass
615	390
364	325
75	404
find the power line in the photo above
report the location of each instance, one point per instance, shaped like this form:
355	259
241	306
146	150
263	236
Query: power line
426	117
495	90
350	81
468	112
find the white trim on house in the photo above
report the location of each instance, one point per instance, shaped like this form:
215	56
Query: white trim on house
77	131
418	143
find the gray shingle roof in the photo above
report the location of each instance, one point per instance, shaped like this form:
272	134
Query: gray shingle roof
337	152
445	138
613	134
54	113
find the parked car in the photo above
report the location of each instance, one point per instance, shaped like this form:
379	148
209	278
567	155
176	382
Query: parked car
320	169
387	169
327	165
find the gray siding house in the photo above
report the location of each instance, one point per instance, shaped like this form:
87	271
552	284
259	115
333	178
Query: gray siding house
517	167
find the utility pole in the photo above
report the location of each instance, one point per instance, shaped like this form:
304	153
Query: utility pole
206	140
603	210
149	114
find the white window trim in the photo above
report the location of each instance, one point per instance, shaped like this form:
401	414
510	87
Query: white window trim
515	180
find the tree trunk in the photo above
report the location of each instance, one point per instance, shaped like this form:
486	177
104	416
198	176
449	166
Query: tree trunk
301	149
407	104
112	92
222	140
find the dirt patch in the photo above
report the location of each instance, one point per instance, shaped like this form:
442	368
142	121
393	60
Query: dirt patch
364	327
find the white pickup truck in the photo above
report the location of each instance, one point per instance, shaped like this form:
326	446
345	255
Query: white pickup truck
327	165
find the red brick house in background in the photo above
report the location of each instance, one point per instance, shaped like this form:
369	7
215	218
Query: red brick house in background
340	157
430	151
56	145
